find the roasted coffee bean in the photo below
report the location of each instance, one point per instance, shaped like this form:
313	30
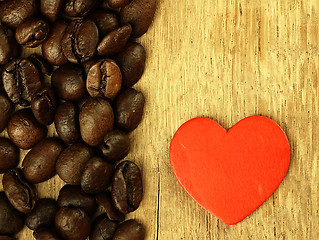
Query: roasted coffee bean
45	234
96	119
9	155
80	40
96	176
105	200
15	12
8	45
52	47
129	229
43	105
140	14
128	109
118	3
106	21
79	8
42	65
71	163
6	238
67	123
87	65
116	145
104	79
103	228
11	220
51	8
72	223
42	215
127	187
131	61
20	193
114	41
32	32
21	79
24	130
68	81
6	109
82	101
74	196
39	164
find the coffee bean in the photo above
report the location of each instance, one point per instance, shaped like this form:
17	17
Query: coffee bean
52	47
129	229
118	3
79	8
74	196
11	220
96	176
42	215
6	109
87	65
71	163
20	193
72	223
96	119
69	82
104	79
24	130
43	105
127	187
66	122
103	228
80	40
45	234
32	32
42	64
114	41
140	14
82	101
105	200
106	21
51	8
116	145
8	46
131	61
15	12
9	155
39	164
128	109
21	79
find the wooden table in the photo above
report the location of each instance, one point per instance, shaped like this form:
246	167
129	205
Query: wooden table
227	60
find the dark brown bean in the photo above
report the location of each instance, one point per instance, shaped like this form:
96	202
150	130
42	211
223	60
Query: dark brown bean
6	109
52	47
20	193
87	65
140	14
42	215
128	109
131	230
118	3
42	64
39	164
71	163
8	45
43	105
32	32
105	200
74	196
68	81
24	130
131	61
45	234
51	8
9	155
79	8
103	228
11	220
21	79
96	119
15	12
127	187
106	21
72	223
114	41
104	79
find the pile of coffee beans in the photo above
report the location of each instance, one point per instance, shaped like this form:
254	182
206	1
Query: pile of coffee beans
81	85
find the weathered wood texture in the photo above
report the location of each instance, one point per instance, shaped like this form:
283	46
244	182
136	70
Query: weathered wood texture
228	60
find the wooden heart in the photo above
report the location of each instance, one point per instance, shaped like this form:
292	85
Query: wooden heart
230	173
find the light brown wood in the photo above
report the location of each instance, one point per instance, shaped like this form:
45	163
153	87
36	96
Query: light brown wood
228	60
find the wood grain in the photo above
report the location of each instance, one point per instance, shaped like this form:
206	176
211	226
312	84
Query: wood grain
227	60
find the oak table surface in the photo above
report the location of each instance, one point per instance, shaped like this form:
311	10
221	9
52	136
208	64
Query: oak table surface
227	60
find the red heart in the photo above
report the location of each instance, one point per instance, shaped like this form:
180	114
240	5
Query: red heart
230	173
